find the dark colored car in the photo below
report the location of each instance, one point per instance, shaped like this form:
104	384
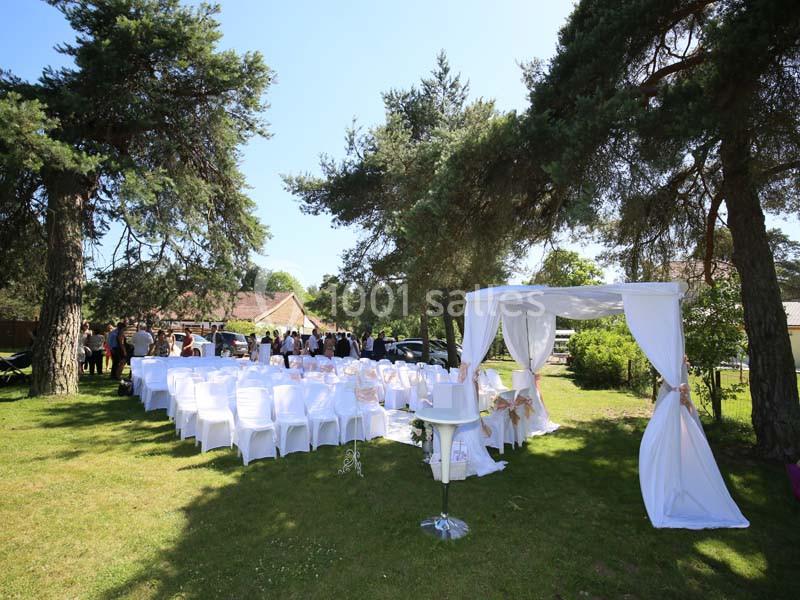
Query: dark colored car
436	344
411	351
235	342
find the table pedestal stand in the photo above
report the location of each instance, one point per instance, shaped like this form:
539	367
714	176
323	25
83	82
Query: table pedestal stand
443	526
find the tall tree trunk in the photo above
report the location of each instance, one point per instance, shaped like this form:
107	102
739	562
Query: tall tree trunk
423	333
460	322
773	383
450	332
55	364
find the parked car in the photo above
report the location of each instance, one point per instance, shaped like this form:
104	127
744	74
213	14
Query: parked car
436	344
235	342
411	351
197	344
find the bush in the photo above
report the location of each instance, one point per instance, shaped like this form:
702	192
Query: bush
600	358
245	327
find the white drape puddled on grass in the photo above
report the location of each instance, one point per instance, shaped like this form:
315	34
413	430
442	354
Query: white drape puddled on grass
681	483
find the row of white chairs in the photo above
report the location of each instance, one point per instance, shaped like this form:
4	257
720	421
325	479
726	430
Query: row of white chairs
398	385
263	411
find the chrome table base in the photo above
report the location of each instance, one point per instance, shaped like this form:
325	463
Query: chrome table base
445	527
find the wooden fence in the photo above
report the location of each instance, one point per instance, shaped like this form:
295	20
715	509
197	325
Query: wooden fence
16	334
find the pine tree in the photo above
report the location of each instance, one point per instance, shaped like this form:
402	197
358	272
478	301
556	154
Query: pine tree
147	123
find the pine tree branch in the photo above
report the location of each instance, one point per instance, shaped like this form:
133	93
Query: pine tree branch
650	85
778	169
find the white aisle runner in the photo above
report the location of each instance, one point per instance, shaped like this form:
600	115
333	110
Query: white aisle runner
399	429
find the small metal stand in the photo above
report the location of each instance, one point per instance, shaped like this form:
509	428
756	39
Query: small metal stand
444	526
352	460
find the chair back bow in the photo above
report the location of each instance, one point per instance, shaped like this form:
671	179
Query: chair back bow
327	367
351	369
389	376
503	404
527	402
367	394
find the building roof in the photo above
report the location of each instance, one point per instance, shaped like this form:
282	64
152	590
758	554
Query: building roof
244	306
792	313
253	306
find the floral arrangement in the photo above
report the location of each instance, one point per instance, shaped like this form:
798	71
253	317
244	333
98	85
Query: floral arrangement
420	431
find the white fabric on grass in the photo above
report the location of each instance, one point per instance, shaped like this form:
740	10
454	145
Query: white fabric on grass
681	484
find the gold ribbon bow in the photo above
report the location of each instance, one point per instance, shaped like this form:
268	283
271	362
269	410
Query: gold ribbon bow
487	431
523	400
463	371
683	389
351	370
367	394
389	376
326	368
502	404
370	373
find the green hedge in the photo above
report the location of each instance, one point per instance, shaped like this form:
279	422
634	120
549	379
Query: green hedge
601	358
246	327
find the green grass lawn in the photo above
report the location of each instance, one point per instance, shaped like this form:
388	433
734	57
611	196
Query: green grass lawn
100	500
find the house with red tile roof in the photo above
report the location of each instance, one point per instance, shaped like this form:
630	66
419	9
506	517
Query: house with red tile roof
274	310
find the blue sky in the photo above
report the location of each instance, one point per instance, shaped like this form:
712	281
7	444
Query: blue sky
333	60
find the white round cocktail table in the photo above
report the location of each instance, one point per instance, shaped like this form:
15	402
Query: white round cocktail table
445	420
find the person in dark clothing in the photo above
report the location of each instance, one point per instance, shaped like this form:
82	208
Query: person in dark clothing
119	350
379	347
342	346
216	338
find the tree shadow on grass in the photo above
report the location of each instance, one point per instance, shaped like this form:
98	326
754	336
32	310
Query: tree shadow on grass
565	519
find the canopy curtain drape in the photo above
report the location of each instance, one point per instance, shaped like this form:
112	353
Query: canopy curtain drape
680	481
481	321
530	337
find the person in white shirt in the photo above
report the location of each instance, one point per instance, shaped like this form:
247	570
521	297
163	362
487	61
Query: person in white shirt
142	342
368	345
355	351
287	348
313	342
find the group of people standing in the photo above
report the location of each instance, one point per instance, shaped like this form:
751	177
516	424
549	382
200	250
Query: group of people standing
114	346
339	344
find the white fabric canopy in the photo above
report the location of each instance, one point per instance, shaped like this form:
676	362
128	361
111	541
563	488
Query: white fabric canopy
681	484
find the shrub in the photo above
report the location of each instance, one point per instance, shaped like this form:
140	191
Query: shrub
245	327
714	335
601	358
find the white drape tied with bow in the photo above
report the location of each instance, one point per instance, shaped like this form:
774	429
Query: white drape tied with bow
529	338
